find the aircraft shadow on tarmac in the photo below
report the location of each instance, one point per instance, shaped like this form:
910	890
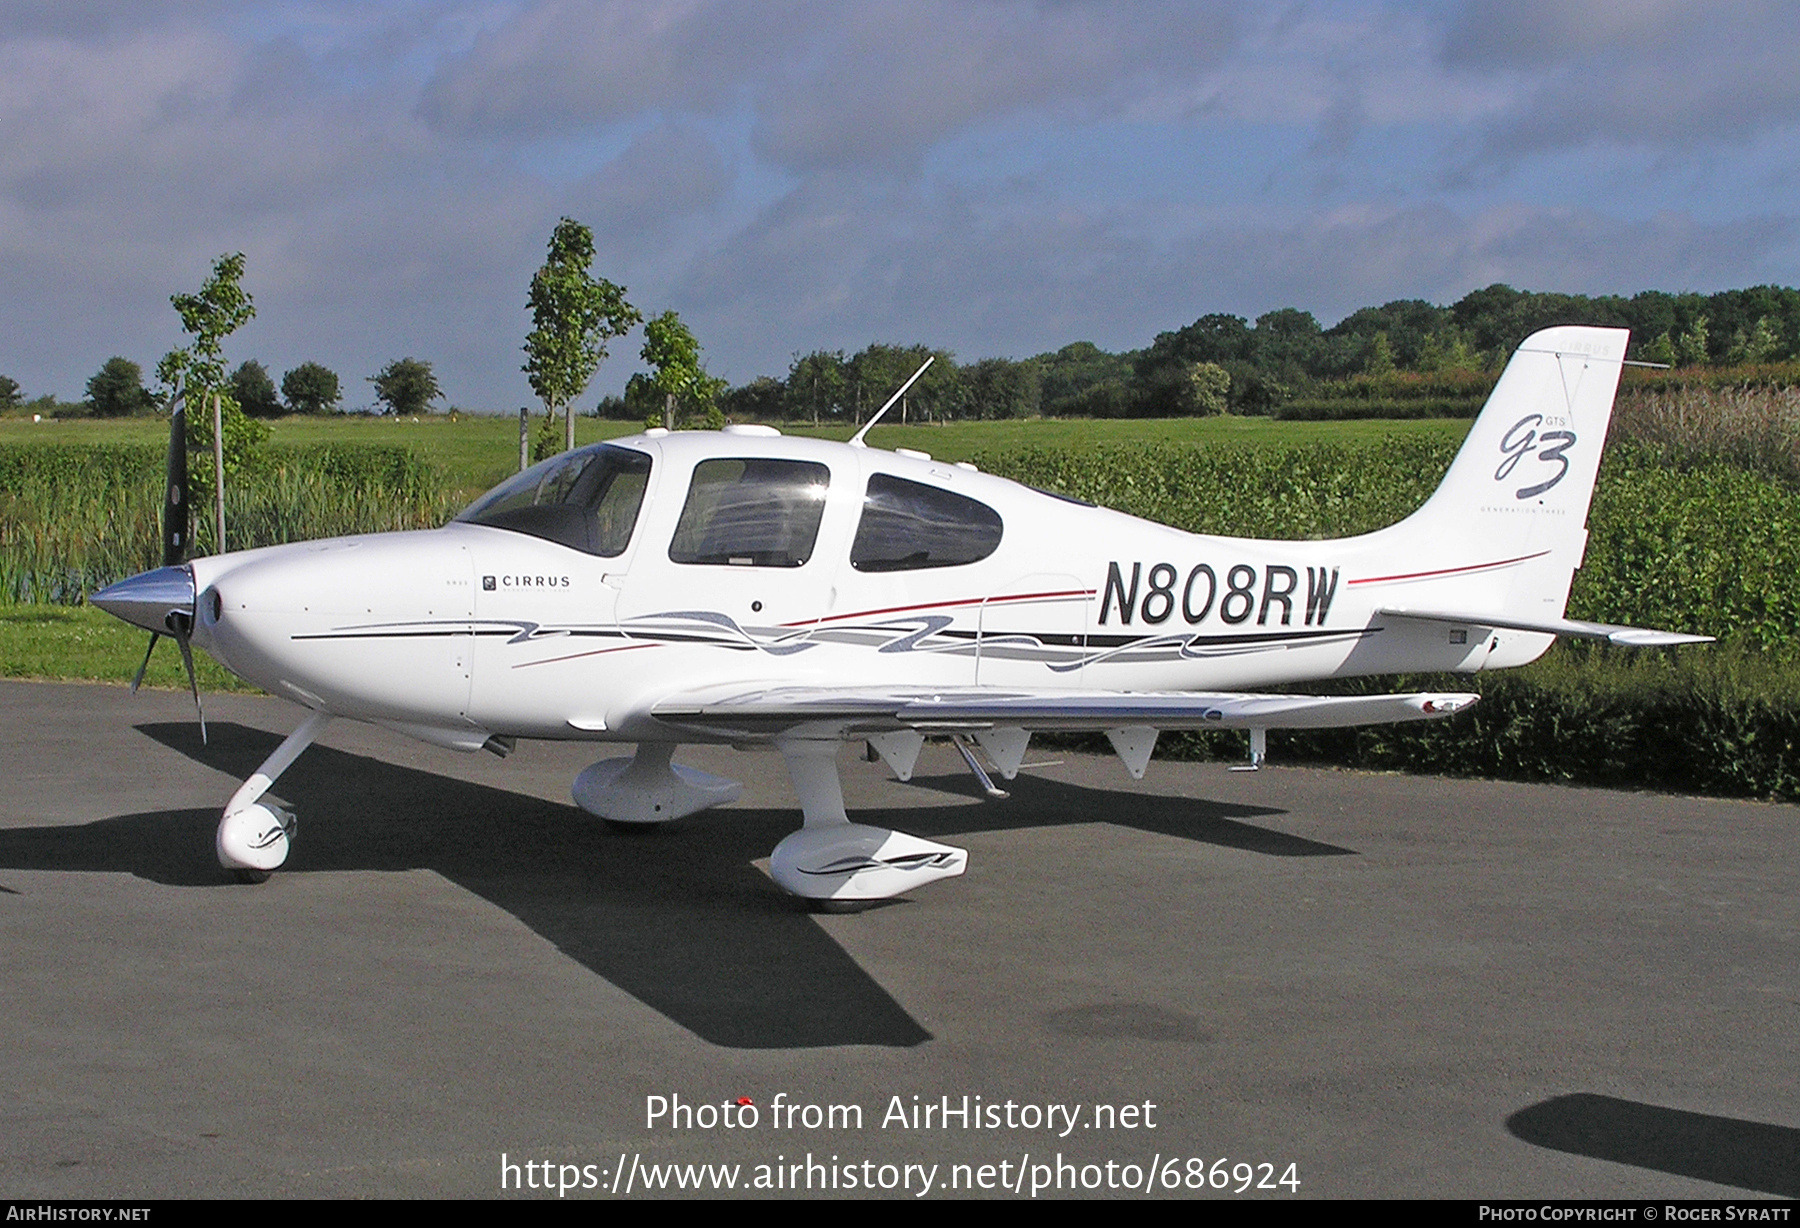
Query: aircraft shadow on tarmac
677	917
1750	1155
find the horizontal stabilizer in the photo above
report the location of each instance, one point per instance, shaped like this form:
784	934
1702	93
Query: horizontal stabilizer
1634	637
840	712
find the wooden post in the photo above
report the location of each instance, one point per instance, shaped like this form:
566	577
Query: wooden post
569	425
524	439
219	469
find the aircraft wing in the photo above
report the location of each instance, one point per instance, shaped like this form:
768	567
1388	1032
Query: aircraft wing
847	712
1634	637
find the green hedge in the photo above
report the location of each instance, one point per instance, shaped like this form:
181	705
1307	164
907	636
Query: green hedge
1722	721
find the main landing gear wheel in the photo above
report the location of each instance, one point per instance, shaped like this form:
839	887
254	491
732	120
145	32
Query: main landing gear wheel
837	865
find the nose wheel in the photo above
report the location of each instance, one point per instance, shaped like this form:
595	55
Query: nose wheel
254	837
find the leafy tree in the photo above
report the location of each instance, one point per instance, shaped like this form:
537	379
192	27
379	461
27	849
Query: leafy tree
1497	318
877	370
1001	388
1405	322
1109	398
117	389
1757	347
1211	338
1209	384
1691	346
1448	351
213	314
311	388
255	391
670	349
1068	375
1260	362
406	386
1660	350
816	384
573	316
1381	355
1182	390
762	398
9	392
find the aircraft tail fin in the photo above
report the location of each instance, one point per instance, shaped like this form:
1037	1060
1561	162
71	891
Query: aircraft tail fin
1507	527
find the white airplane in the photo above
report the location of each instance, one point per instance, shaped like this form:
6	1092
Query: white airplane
746	588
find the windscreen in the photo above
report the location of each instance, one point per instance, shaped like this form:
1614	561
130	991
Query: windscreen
587	500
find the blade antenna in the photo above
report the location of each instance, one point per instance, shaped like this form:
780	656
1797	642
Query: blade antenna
856	440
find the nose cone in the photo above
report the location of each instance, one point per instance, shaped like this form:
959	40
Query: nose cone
147	600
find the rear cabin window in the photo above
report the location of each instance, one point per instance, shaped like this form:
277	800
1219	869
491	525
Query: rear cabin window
909	526
751	513
587	500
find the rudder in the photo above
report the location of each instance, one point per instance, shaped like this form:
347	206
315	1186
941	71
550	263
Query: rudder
1511	513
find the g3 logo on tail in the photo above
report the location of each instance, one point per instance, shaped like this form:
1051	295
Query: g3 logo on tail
1518	442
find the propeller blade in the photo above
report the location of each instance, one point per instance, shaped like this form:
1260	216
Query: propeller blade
175	487
139	680
187	659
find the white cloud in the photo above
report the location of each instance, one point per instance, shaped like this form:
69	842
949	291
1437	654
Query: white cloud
830	85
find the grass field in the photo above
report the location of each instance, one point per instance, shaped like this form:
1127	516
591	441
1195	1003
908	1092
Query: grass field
80	642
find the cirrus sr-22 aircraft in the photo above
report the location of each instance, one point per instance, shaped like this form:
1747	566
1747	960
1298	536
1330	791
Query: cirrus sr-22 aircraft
747	588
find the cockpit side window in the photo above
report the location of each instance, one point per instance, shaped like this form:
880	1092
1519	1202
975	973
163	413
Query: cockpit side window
754	512
909	526
587	500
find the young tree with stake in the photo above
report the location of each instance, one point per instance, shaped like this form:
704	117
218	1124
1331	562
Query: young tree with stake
198	373
573	316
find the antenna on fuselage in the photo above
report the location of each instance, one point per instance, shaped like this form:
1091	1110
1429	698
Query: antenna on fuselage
856	440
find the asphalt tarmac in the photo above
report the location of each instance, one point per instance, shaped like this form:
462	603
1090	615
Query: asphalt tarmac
1339	984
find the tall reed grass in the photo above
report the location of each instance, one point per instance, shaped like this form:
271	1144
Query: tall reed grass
1751	427
76	518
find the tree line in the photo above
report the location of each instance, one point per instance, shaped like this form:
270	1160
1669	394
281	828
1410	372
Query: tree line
1219	363
117	390
1226	363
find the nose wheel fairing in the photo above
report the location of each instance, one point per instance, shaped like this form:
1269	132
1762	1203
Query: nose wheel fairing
255	837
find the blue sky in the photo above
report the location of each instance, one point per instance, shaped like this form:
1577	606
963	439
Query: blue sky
992	178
